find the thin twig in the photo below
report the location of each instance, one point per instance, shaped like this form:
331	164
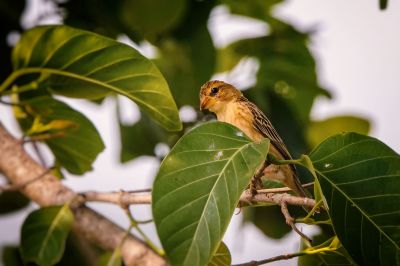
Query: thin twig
10	103
290	220
139	190
43	137
140	197
122	198
276	198
39	154
280	257
282	189
134	224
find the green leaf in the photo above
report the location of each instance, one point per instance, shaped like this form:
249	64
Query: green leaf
150	17
11	201
333	258
318	131
11	256
111	258
222	257
383	4
187	56
81	64
44	233
360	178
106	19
78	251
258	9
198	187
76	143
183	62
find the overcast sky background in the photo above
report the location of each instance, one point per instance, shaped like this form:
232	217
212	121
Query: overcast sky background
357	48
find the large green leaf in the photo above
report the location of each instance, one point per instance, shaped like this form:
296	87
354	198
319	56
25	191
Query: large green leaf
360	178
86	65
383	4
222	256
111	258
259	9
319	130
44	233
79	144
198	187
11	256
11	201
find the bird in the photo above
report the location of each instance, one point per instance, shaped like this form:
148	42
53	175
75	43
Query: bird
230	106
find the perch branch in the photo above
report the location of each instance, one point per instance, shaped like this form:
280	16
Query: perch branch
282	189
280	257
122	198
138	197
47	190
276	198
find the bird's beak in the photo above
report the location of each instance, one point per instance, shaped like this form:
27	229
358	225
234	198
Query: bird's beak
203	103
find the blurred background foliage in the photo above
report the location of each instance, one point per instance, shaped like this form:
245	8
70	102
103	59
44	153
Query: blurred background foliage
286	83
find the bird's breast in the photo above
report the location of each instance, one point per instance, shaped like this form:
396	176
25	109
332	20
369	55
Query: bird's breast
241	117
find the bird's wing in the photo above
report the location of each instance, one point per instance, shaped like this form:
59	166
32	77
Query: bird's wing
262	124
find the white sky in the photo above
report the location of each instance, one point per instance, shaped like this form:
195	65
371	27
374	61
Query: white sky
357	47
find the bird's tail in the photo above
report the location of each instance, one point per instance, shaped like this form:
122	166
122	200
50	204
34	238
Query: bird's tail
294	184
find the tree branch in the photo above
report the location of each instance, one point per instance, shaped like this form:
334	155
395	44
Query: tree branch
280	257
139	197
277	198
282	189
47	190
122	198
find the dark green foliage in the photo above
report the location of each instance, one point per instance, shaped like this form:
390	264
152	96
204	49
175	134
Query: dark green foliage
11	201
360	178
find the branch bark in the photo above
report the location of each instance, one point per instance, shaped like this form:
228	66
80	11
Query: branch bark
21	169
124	198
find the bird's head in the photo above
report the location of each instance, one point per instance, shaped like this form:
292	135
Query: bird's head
215	94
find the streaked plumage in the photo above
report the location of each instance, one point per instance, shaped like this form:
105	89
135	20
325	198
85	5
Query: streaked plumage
232	107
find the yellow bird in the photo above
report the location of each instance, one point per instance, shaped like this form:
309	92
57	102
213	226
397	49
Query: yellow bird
230	106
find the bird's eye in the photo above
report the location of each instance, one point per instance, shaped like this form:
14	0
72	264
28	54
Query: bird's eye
214	90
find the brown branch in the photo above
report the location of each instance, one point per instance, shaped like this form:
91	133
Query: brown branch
122	198
139	197
20	168
276	198
282	189
280	257
290	220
